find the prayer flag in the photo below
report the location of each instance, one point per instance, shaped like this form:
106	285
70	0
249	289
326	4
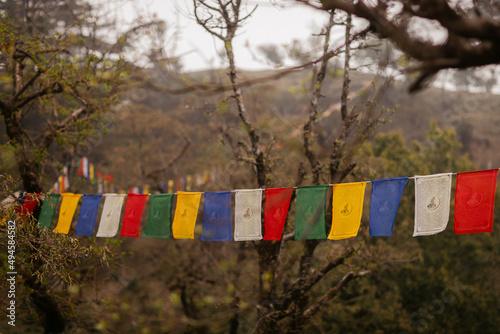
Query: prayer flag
86	169
170	186
475	201
185	215
217	217
385	197
28	204
48	210
247	215
55	188
347	207
88	215
158	224
68	207
66	178
100	185
432	203
310	222
91	172
80	167
276	205
189	182
110	216
133	214
61	184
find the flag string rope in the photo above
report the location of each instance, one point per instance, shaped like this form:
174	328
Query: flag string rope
474	204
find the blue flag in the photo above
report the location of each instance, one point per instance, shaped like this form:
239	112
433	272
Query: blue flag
217	217
88	215
386	194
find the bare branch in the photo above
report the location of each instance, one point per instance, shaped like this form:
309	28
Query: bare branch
307	130
187	143
314	308
303	284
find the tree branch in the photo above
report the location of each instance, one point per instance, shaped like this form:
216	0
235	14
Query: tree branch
27	85
303	284
55	89
187	143
461	50
314	308
307	130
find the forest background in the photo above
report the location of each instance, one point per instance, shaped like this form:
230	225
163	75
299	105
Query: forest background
77	83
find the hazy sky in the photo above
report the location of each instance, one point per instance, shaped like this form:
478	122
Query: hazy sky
278	24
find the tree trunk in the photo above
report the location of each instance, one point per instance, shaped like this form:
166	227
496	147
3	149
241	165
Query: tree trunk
29	169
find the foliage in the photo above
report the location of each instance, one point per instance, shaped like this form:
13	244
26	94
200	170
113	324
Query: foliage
61	266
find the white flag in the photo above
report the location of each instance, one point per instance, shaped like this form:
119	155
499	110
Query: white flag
66	178
110	217
432	203
247	220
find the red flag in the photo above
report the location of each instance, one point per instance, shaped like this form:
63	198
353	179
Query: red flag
133	214
28	205
275	210
80	167
475	201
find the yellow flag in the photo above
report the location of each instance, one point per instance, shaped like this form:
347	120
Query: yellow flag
170	186
66	212
186	212
347	209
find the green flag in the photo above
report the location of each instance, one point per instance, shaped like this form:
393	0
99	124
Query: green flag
310	222
158	224
48	209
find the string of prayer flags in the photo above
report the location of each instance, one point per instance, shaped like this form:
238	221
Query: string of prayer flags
310	221
432	203
475	201
66	212
133	214
88	215
158	224
185	214
110	216
48	209
276	204
385	198
217	217
247	214
474	207
347	208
